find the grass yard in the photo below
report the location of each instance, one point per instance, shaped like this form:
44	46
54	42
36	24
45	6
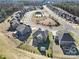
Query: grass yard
58	53
29	39
76	38
29	48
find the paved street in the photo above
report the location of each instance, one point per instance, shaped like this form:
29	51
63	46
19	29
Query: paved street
27	19
66	25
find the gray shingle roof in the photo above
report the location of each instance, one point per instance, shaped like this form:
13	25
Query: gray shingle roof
23	28
14	22
44	34
67	37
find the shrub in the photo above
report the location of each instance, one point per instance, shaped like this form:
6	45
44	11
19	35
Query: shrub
1	57
29	48
49	52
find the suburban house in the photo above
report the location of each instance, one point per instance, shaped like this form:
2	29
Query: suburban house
23	32
68	16
40	39
66	39
15	19
21	13
64	14
14	24
63	38
66	42
17	15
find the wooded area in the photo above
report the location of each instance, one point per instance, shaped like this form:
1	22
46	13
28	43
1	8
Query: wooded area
72	8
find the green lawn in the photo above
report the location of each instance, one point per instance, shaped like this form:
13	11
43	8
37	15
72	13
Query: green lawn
29	39
29	48
76	38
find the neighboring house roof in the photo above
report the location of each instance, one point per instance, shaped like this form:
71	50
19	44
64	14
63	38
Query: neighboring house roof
16	17
14	22
23	32
67	37
42	34
13	25
23	28
13	18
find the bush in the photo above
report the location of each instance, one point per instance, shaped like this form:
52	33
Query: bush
7	11
2	12
49	52
29	48
1	57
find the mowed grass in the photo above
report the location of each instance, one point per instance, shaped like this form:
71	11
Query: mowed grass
5	45
9	50
76	38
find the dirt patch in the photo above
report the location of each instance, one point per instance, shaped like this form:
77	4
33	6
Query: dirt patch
44	20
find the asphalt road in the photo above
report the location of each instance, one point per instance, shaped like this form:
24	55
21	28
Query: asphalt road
66	25
27	19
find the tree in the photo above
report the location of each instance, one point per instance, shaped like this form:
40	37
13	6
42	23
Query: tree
2	12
